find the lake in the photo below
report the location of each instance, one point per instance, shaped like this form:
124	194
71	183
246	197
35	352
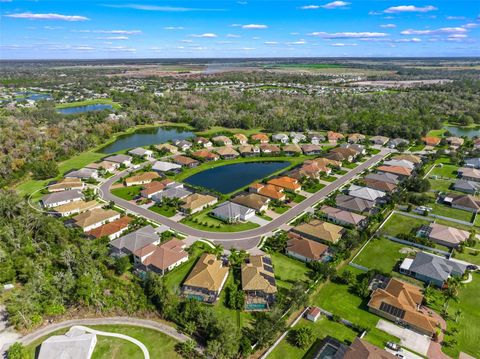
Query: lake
229	178
463	131
86	108
147	137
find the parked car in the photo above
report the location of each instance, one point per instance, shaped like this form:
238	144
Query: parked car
393	346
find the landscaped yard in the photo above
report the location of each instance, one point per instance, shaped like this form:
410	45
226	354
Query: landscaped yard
417	147
315	188
158	344
328	178
279	209
127	193
349	165
288	270
381	254
436	133
295	197
469	255
447	211
449	171
203	221
167	211
440	185
399	223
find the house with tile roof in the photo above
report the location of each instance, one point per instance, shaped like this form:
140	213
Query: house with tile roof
409	157
260	138
66	184
107	166
83	173
197	202
355	204
319	231
56	199
258	282
205	155
183	145
379	140
473	162
152	188
240	138
311	149
269	149
346	154
141	152
185	161
252	200
355	138
469	174
120	159
231	212
287	183
305	250
95	218
129	243
401	302
203	142
464	202
446	235
227	153
464	186
396	170
161	259
292	149
167	147
141	178
380	185
367	193
333	137
361	349
162	166
384	177
400	163
281	138
431	140
112	230
343	217
76	207
222	141
249	150
206	279
269	191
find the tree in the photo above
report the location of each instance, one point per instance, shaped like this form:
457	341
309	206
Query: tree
42	170
360	288
17	351
122	265
301	337
187	349
234	298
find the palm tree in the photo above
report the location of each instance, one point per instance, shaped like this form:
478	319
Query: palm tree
217	250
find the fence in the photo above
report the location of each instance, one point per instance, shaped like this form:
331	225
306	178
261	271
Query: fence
470	224
413	244
358	266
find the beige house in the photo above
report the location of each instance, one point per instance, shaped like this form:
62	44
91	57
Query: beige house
258	282
319	231
76	207
66	184
197	202
142	178
95	218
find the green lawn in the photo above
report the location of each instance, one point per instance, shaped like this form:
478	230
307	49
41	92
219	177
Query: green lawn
381	254
322	328
401	224
107	101
279	209
158	344
436	133
288	270
469	255
312	189
417	147
295	197
447	211
328	178
449	171
350	165
440	185
127	193
208	223
166	211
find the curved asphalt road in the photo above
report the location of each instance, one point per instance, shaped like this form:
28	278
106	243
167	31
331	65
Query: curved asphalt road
246	239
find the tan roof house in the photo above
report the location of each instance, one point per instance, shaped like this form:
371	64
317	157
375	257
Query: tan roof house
167	147
196	202
240	138
356	137
343	217
105	165
469	174
396	170
305	250
464	202
249	150
269	149
205	155
447	236
76	207
252	200
311	149
95	218
292	149
319	231
66	184
185	161
258	282
222	141
111	230
260	138
333	137
227	153
141	178
163	258
206	279
379	140
361	349
270	191
407	157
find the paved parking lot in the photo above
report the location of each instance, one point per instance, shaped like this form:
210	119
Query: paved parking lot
408	338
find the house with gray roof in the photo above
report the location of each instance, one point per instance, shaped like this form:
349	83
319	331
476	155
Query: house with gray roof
464	186
121	159
400	163
60	198
171	192
393	143
297	137
183	145
472	163
232	212
367	193
280	137
83	173
355	204
141	152
131	242
75	344
384	177
162	166
430	268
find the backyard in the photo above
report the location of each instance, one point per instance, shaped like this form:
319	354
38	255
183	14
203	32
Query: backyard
399	223
288	270
447	211
445	171
164	210
381	254
204	221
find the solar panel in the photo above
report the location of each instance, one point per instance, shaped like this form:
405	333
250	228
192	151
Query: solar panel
270	280
268	268
390	309
267	260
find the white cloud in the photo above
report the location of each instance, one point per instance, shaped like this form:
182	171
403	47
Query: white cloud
348	35
413	39
121	49
470	25
441	31
115	32
455	18
159	8
30	16
233	36
388	26
310	7
83	48
52	27
254	26
271	43
457	36
114	38
341	44
409	8
207	35
186	41
299	42
335	5
375	13
173	28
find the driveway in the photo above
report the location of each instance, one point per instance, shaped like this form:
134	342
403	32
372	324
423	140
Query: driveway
408	338
258	220
7	334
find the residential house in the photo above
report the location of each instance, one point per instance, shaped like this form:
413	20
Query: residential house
298	137
141	178
305	250
83	173
455	142
379	140
111	230
476	144
412	158
75	344
431	140
173	191
469	187
154	187
197	202
396	170
203	142
56	199
248	150
333	137
469	174
167	147
206	279
141	152
313	314
258	282
270	149
310	169
205	155
292	149
252	200
355	138
464	202
473	162
240	138
133	241
183	145
161	167
120	159
367	193
76	207
280	137
330	347
380	185
315	138
185	161
319	231
359	149
287	183
222	141
384	177
231	212
400	163
66	184
347	154
269	191
335	156
343	217
355	204
260	138
227	153
401	303
311	149
361	349
161	259
106	166
394	143
95	218
432	269
445	235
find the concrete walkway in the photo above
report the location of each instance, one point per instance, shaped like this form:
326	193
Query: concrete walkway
146	353
408	338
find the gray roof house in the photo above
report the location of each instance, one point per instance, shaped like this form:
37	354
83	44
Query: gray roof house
140	152
75	344
280	137
297	137
122	159
384	177
161	166
366	193
400	163
393	143
232	212
59	198
183	144
133	241
472	163
172	192
354	204
466	186
83	173
430	268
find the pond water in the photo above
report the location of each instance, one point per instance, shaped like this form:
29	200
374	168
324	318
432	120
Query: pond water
85	108
147	137
463	131
229	178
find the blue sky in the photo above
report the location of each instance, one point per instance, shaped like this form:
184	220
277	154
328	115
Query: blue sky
66	29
